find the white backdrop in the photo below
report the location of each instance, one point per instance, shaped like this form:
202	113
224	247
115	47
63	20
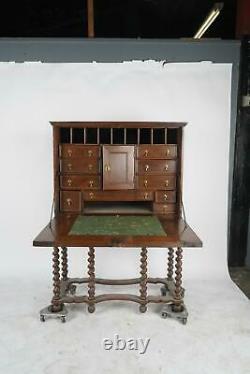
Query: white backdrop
216	338
32	94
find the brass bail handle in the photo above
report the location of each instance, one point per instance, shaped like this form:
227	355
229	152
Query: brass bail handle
107	167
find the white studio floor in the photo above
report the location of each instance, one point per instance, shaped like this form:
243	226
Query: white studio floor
216	338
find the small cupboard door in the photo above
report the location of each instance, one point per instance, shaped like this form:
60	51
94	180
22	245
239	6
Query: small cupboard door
118	167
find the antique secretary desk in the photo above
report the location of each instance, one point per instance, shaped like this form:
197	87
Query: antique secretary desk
117	184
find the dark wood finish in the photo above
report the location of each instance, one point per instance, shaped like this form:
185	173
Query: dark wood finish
105	165
80	165
155	151
165	196
91	23
57	233
131	195
156	182
146	167
70	201
118	167
79	150
78	182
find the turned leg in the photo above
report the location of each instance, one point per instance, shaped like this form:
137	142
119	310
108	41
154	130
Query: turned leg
170	264
64	259
178	292
143	282
56	305
91	282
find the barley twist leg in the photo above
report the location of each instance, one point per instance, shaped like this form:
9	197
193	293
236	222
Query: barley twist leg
143	282
91	283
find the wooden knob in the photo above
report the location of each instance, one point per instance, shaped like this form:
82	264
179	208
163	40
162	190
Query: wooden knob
69	152
69	181
69	201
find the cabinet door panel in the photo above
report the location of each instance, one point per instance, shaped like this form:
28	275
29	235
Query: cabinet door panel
118	167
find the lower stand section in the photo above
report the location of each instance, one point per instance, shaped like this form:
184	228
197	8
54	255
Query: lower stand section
64	290
48	312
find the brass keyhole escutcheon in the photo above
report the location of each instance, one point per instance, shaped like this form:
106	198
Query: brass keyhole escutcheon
167	183
146	167
91	183
90	167
146	183
165	207
70	167
91	195
69	181
168	152
166	167
69	152
146	196
90	153
69	202
146	153
107	168
165	196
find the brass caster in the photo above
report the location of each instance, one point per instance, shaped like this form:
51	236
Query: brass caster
42	318
91	308
48	312
63	319
168	311
143	308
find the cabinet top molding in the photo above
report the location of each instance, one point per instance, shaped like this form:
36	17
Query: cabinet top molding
121	124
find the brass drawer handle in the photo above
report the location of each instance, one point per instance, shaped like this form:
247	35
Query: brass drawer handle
91	195
69	181
90	153
69	152
107	168
69	201
90	167
165	196
146	153
146	167
91	184
146	183
70	167
146	196
166	167
166	183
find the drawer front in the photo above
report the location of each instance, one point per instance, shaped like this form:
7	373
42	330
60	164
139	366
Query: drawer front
79	151
148	167
157	151
118	196
79	182
157	182
78	165
164	208
165	196
70	201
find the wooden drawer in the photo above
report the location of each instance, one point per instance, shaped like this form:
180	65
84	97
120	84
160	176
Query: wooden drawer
156	151
165	197
79	150
80	165
164	208
157	182
70	201
118	196
79	182
148	167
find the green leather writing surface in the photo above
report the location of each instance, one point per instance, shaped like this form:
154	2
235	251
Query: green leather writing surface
117	225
